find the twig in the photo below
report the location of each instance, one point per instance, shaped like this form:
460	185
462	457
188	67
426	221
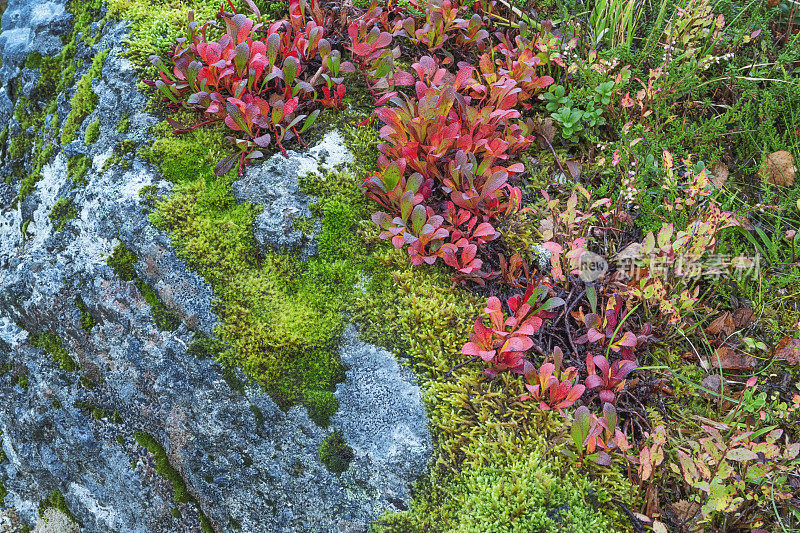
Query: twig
553	150
459	365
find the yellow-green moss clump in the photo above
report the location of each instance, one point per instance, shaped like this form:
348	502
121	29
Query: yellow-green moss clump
92	132
84	101
281	318
51	344
63	211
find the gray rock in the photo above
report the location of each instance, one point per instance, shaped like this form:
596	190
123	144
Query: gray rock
541	257
32	27
273	184
381	416
247	463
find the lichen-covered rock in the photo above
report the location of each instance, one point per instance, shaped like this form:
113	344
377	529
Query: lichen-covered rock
273	184
236	461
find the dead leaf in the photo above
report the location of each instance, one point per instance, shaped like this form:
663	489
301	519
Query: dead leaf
722	324
547	129
574	168
688	513
778	168
789	349
727	359
742	317
712	382
719	174
659	527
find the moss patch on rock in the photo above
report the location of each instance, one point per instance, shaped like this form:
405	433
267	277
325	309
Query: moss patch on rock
51	344
164	468
123	261
84	101
92	132
62	212
335	453
87	320
56	500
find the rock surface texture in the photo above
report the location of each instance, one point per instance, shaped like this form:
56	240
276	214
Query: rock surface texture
248	465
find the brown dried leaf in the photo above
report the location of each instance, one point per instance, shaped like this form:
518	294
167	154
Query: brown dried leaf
722	324
727	359
742	317
548	129
789	349
574	168
719	174
778	168
688	512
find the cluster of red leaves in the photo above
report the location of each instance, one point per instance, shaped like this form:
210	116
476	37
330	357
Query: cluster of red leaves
256	78
503	344
444	178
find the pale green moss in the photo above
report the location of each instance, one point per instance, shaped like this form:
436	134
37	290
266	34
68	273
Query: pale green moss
84	100
51	344
92	132
63	211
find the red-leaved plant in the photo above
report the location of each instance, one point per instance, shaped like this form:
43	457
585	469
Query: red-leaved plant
504	343
611	376
255	78
553	388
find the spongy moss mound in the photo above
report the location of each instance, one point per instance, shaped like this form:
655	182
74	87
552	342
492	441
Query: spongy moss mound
281	318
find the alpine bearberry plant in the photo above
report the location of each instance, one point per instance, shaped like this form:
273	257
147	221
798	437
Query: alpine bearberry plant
255	78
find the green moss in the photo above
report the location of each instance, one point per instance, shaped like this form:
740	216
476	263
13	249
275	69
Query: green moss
175	512
148	197
92	132
87	320
281	318
33	61
321	404
51	344
120	439
163	466
20	145
56	500
124	123
335	453
62	212
84	100
123	261
42	150
3	491
165	319
56	404
21	380
204	347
